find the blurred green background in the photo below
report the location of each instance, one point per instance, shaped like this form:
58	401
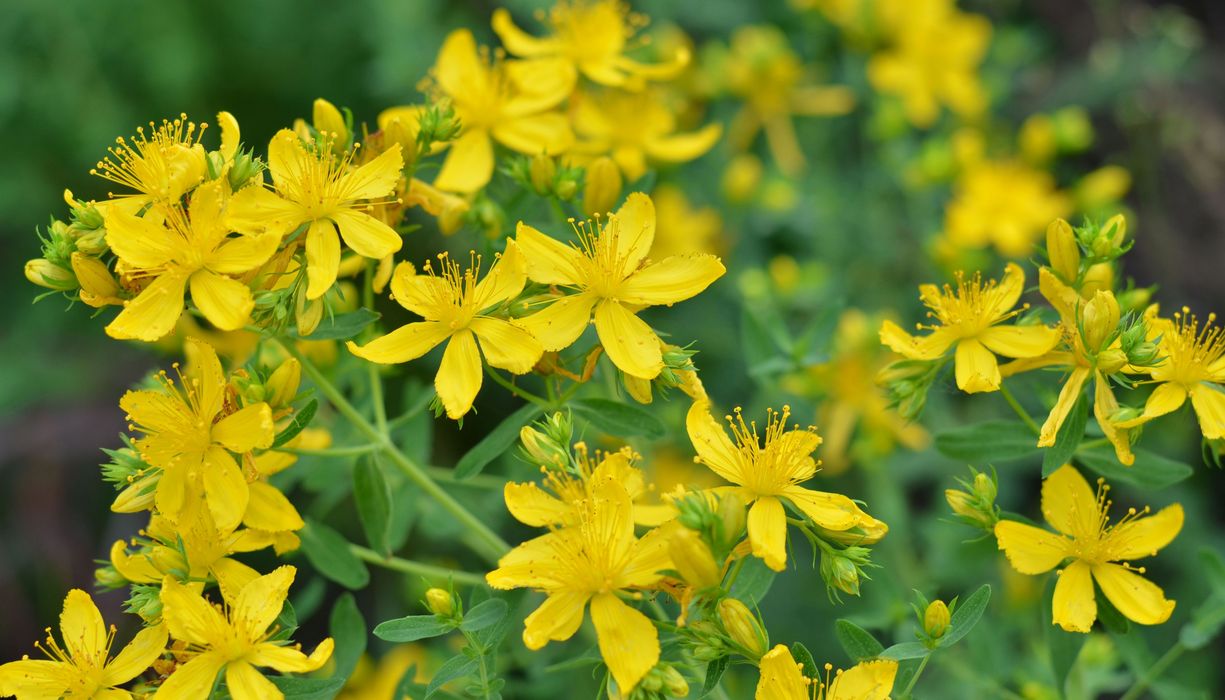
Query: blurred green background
75	74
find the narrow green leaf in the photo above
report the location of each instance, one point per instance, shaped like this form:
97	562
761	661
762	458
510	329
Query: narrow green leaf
967	614
1150	471
408	686
329	553
1206	623
412	628
301	418
714	673
990	441
296	688
858	643
372	496
455	667
348	630
620	419
1068	438
904	651
803	657
1213	566
340	326
496	443
484	614
753	582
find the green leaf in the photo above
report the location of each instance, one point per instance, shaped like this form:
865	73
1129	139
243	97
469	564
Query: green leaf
301	418
295	688
372	496
484	614
765	341
329	553
348	629
991	441
1213	566
1151	470
340	326
858	643
967	614
496	443
803	657
753	582
1068	438
620	419
714	672
1205	624
408	686
905	650
455	667
412	628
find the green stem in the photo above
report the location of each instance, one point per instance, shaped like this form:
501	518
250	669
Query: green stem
417	568
516	390
1019	409
1154	672
492	545
915	678
376	397
351	451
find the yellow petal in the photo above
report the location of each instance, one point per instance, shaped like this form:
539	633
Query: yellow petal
680	148
1105	405
469	163
459	68
366	235
224	301
1006	294
1030	550
153	313
260	601
288	161
374	180
322	257
138	568
630	343
36	678
505	279
172	491
190	618
1019	341
423	295
506	346
139	241
1072	390
1209	405
627	639
290	659
671	280
403	344
928	347
232	576
557	618
192	680
1069	503
780	677
1166	398
137	656
831	511
549	261
1074	606
230	135
768	532
1143	536
530	565
245	683
268	509
543	83
870	680
1139	599
548	133
712	444
225	489
244	253
650	555
246	429
530	505
83	630
459	377
634	224
255	210
561	323
977	369
517	41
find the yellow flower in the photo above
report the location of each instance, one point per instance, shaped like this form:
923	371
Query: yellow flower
507	101
968	317
683	228
592	561
934	61
234	638
767	472
326	194
634	127
1086	537
83	667
611	279
161	166
1194	367
1005	204
591	37
380	681
781	679
456	310
180	249
189	433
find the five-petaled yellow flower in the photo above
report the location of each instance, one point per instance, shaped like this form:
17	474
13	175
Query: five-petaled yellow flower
593	561
183	249
456	308
782	679
327	194
83	667
969	317
160	166
189	433
607	270
1086	537
767	472
234	638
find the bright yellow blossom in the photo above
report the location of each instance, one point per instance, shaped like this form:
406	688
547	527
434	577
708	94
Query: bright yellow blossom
160	166
593	561
83	667
768	472
589	37
607	269
234	638
180	250
781	679
1003	203
969	318
455	308
1086	537
327	194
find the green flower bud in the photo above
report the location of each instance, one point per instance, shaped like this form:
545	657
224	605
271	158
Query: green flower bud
541	172
440	602
936	619
44	273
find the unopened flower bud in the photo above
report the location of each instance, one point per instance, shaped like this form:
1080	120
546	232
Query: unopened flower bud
731	518
603	188
1115	230
1098	278
1063	250
307	313
93	242
1111	360
242	170
108	577
840	572
936	619
1073	130
440	602
329	121
542	450
44	273
742	626
692	558
985	487
98	286
541	172
674	683
1100	318
284	382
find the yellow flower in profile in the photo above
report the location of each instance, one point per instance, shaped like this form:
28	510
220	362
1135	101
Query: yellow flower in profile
83	666
1193	368
683	228
768	470
455	308
607	270
589	37
1005	204
1086	537
234	638
178	250
635	128
189	433
327	194
500	100
934	60
782	679
593	561
970	317
160	167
